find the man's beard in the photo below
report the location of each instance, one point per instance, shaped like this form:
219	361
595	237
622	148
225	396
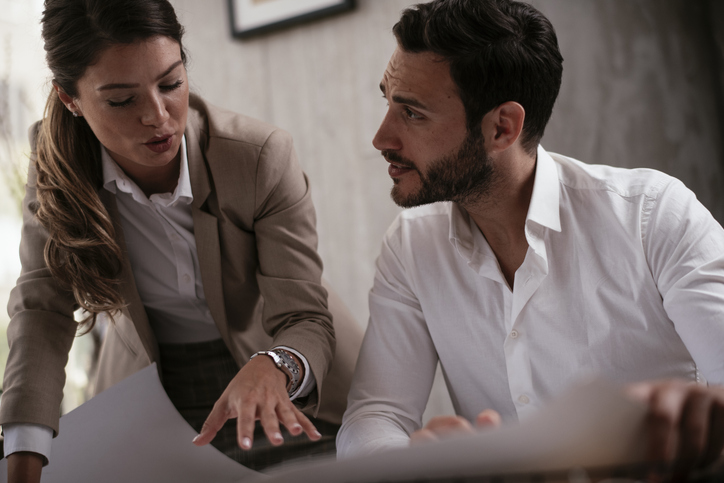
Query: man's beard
463	177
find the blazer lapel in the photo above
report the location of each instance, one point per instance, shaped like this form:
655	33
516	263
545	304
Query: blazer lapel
206	229
134	309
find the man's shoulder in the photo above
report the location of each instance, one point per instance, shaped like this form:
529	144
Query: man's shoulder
217	123
624	182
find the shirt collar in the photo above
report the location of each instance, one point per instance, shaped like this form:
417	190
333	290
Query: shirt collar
115	179
467	238
544	208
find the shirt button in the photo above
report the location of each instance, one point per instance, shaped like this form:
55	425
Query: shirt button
186	278
524	399
514	334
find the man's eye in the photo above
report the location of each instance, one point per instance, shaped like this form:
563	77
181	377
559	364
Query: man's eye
412	114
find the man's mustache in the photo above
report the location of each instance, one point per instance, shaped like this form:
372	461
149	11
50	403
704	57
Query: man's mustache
395	158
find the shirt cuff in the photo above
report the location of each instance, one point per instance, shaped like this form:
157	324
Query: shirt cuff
308	383
36	438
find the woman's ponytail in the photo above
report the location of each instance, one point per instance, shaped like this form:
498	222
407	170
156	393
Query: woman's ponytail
81	251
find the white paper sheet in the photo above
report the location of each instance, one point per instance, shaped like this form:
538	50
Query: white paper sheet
132	433
591	426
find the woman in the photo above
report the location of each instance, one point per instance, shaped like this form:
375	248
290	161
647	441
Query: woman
175	218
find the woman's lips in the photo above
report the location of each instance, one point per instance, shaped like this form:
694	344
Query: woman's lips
159	144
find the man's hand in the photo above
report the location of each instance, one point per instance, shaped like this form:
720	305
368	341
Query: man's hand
24	467
442	426
685	423
257	392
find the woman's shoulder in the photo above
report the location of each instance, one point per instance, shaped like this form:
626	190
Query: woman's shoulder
218	123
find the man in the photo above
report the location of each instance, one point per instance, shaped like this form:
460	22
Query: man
525	270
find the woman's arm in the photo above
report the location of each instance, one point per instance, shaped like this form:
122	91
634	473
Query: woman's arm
295	304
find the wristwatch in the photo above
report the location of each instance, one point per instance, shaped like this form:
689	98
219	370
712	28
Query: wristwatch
285	363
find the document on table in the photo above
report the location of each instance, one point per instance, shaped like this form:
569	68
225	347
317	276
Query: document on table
591	426
132	433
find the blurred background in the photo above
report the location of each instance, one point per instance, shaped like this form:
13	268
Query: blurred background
643	86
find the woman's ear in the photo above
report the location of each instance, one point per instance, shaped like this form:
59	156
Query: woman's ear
67	100
503	126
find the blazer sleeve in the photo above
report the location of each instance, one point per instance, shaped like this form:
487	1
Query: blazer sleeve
41	329
289	274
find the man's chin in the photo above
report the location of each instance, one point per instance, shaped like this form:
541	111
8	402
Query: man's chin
400	199
407	200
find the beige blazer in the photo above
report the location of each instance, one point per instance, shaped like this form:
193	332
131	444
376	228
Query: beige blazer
254	225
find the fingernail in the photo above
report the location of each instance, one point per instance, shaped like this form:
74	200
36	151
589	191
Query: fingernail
278	437
196	438
246	443
317	434
296	428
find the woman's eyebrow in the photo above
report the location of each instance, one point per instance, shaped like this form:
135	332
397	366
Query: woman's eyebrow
106	87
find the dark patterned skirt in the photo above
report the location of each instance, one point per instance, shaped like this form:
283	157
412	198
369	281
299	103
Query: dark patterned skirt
194	376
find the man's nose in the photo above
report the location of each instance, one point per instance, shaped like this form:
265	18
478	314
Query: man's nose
387	137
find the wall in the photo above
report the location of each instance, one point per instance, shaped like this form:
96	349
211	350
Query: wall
641	88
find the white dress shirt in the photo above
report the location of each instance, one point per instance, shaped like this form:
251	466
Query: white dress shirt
623	278
159	235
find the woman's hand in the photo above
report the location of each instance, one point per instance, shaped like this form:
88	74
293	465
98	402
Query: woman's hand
441	426
257	392
24	467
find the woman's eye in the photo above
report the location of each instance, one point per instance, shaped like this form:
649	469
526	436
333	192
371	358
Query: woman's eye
173	86
120	103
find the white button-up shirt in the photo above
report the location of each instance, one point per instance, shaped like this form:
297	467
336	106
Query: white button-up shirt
623	278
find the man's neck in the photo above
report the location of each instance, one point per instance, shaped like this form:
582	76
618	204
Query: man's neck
501	214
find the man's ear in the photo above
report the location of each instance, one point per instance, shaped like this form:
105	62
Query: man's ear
66	99
503	126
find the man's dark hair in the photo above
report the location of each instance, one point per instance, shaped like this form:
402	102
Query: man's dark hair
498	50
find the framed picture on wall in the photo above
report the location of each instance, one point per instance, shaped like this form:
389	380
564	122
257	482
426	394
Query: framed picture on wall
252	17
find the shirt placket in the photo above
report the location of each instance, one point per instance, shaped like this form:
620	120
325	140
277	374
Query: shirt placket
182	255
517	342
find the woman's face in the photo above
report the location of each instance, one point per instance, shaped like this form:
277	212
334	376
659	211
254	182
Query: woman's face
135	99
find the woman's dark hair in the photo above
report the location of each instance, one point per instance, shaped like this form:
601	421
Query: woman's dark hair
81	251
498	50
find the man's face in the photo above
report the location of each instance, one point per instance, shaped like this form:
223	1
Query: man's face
424	135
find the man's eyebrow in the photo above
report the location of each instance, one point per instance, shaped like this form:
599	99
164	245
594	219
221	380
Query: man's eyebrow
410	102
130	86
404	100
